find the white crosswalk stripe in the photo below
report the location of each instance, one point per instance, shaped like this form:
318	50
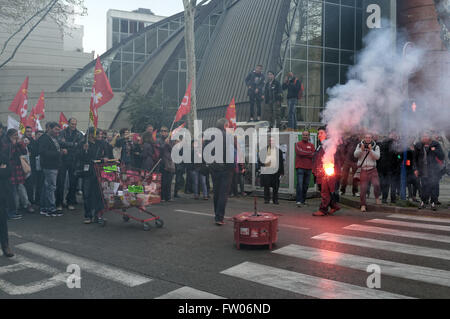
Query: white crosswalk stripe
409	224
185	293
104	271
421	218
417	273
305	284
385	245
399	233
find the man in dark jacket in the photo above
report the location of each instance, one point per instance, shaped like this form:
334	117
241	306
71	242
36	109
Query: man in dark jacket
271	178
167	165
294	87
88	153
222	174
50	159
389	166
349	162
255	84
5	173
426	168
273	96
32	146
69	139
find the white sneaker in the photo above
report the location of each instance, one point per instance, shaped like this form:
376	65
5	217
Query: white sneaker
378	201
70	207
59	208
363	209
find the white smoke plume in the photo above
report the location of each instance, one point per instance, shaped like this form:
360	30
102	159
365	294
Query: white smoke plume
373	100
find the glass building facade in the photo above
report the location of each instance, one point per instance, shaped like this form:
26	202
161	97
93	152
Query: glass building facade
319	46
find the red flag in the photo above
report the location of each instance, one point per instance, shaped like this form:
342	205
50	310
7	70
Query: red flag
63	123
185	107
231	114
20	104
101	92
32	120
39	109
175	131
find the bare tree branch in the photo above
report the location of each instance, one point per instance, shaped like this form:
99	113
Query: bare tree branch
28	33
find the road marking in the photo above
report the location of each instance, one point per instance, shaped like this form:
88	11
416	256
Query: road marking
421	218
417	273
293	227
385	245
194	213
399	233
108	272
304	284
408	224
189	293
58	278
230	218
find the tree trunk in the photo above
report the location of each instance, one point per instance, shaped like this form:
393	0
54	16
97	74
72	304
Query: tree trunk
189	20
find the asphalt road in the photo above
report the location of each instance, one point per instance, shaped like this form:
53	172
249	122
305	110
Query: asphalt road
191	257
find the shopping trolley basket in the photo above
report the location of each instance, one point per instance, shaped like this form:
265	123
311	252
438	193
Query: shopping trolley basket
123	188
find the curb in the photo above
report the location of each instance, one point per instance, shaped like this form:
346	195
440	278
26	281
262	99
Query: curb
395	209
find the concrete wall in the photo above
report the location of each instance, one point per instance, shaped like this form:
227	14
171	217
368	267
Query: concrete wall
42	57
71	104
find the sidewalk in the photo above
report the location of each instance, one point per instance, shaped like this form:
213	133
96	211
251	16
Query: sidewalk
405	207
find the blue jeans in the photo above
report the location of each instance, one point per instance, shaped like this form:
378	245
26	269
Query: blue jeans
48	192
197	179
292	115
303	179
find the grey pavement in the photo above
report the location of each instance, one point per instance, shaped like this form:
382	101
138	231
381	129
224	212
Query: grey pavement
191	257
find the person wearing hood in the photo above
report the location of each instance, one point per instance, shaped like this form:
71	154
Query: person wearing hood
427	157
368	153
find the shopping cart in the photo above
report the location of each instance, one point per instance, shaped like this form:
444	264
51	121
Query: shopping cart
123	188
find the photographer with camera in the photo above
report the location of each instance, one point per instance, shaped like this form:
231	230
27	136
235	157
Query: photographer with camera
295	90
368	153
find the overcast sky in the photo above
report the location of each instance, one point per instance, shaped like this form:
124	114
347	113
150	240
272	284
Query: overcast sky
95	22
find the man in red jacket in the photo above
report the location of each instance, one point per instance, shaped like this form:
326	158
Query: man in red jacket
304	151
326	183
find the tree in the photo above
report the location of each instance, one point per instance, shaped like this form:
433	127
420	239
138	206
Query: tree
189	38
144	110
17	15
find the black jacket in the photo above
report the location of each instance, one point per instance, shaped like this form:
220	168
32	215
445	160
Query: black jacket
255	81
391	160
5	185
425	160
293	87
273	92
70	140
96	151
49	153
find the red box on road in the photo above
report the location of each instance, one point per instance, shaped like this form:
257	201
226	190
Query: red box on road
257	230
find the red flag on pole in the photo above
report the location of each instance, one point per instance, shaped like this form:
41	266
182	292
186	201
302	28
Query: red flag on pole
185	107
39	109
231	114
179	128
101	92
20	104
63	123
32	120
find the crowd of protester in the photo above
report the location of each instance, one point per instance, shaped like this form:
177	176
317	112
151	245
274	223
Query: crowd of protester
47	170
375	162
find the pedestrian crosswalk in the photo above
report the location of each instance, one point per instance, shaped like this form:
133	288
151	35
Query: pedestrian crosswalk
361	236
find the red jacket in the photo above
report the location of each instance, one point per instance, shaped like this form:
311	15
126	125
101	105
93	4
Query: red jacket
304	155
